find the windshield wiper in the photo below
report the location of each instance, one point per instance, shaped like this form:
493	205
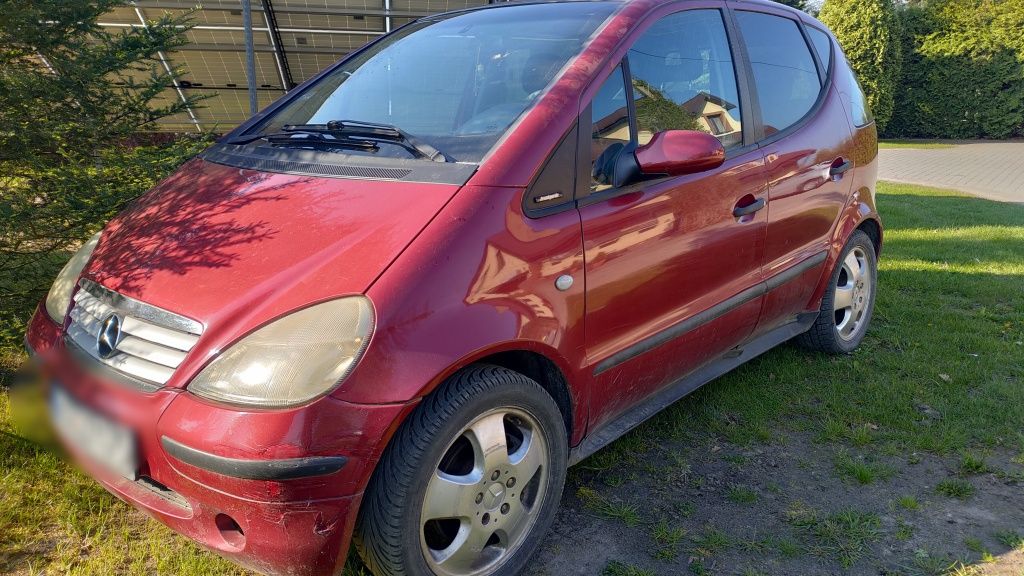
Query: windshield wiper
346	131
374	131
311	139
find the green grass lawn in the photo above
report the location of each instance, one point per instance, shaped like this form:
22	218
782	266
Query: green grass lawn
941	371
946	338
913	144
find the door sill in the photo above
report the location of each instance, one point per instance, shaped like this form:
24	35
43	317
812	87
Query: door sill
614	429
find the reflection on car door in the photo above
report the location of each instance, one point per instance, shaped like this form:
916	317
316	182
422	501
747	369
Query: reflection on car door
671	274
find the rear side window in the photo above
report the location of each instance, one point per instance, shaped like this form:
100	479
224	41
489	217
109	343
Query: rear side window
785	75
822	44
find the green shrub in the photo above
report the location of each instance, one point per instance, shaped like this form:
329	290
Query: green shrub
73	100
868	31
963	70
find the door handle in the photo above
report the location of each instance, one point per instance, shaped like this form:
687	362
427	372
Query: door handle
740	211
838	169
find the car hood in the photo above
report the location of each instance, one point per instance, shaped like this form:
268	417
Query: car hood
230	246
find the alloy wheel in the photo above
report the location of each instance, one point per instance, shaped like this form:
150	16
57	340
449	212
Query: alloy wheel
853	294
483	497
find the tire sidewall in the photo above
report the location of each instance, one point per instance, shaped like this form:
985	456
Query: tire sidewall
522	394
858	239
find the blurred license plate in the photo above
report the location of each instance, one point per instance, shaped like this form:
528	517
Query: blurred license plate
97	437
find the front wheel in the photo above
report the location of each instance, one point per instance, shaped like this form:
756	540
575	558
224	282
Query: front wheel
471	481
849	301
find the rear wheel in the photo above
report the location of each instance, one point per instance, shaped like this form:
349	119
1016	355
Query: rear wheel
471	481
848	303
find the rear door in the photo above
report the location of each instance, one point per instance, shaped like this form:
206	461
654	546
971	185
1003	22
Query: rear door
672	275
808	150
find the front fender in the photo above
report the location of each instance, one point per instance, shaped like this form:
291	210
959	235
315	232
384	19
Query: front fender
480	279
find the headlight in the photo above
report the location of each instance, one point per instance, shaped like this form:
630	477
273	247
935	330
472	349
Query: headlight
291	360
59	297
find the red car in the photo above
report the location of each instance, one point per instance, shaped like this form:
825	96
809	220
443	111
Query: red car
394	306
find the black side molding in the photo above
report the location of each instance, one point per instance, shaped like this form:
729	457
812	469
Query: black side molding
712	313
287	469
680	328
793	271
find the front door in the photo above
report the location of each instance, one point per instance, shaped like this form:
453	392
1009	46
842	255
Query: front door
672	275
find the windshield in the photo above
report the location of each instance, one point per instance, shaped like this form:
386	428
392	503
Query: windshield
454	82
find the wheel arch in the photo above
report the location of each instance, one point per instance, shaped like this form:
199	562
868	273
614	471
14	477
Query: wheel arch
531	359
542	370
873	228
860	214
534	361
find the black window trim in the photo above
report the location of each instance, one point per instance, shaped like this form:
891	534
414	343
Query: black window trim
585	196
535	212
826	85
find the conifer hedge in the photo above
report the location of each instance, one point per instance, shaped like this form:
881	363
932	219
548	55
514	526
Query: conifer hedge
964	70
937	68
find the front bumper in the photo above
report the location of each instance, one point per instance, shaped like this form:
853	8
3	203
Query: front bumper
275	491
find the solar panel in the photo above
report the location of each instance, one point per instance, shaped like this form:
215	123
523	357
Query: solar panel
311	35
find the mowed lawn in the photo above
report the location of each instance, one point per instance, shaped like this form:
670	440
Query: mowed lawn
930	144
939	377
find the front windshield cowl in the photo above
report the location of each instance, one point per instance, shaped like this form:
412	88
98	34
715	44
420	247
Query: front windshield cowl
452	83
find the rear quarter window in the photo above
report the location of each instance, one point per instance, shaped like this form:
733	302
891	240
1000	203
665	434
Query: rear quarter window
857	102
822	45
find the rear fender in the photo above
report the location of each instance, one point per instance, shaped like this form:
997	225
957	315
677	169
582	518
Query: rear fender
860	210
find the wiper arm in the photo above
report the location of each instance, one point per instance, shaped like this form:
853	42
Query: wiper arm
311	139
373	131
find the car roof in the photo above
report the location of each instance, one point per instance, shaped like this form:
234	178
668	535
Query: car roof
650	3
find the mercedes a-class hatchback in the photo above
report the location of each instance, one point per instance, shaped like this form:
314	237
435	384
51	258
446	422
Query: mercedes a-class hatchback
393	307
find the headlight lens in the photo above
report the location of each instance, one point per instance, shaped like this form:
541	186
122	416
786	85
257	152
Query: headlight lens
291	360
59	297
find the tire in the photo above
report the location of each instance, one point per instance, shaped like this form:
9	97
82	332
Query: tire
436	464
841	331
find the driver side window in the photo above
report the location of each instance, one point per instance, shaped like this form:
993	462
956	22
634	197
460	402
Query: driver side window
682	78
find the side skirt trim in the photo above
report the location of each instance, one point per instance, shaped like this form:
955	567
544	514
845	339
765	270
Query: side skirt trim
632	418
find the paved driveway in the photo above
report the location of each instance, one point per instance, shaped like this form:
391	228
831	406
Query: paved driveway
993	170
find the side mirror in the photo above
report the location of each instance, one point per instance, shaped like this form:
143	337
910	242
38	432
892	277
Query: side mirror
677	152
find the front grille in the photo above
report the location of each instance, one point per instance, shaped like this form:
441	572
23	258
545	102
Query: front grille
148	344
